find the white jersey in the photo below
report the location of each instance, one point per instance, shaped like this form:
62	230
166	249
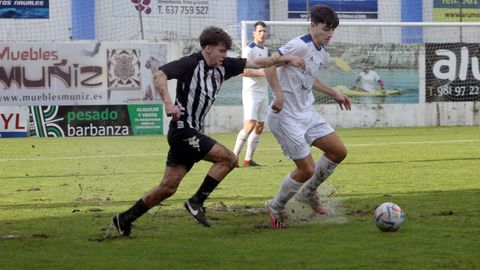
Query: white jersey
297	83
369	80
255	84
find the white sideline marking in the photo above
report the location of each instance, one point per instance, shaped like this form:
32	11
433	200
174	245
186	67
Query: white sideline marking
392	143
79	157
260	149
397	143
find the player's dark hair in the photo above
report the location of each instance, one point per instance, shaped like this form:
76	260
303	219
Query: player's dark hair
324	14
259	23
215	36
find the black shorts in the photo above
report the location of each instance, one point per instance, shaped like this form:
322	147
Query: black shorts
187	146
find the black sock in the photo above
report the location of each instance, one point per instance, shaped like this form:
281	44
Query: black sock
136	211
208	185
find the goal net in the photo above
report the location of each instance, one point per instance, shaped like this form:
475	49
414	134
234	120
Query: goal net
113	20
416	61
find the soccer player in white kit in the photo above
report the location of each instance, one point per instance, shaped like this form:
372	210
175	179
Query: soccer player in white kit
294	122
368	80
254	97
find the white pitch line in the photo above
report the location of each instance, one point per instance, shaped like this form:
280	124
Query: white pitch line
397	143
79	157
392	143
260	149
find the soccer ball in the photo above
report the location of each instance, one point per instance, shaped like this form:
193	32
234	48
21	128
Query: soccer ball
389	217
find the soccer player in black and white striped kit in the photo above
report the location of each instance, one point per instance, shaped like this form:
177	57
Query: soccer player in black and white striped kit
199	77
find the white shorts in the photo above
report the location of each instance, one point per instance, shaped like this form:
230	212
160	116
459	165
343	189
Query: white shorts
255	106
296	135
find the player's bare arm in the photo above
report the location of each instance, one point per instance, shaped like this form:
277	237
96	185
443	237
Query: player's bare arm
293	60
254	73
162	88
341	99
271	76
275	59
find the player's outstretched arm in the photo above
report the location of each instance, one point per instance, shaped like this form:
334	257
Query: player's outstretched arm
162	88
341	99
253	73
275	59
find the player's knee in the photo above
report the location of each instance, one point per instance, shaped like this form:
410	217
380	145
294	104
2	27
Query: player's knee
306	172
232	160
249	126
338	156
259	128
234	164
168	190
309	171
341	155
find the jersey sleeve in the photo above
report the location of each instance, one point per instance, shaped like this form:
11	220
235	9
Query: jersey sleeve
234	66
176	69
246	52
293	47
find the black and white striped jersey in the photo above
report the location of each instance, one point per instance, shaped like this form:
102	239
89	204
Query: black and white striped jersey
197	86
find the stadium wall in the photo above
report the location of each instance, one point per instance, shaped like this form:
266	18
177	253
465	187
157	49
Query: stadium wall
229	119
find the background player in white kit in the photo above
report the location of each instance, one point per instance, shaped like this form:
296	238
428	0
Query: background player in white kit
294	122
369	79
254	97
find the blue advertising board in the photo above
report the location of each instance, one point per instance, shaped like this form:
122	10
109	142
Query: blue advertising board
24	9
346	9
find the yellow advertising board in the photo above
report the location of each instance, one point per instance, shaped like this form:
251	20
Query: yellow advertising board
456	10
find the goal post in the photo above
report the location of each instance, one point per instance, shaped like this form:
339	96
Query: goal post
418	61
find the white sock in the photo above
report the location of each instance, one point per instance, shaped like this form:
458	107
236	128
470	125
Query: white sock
323	169
241	138
287	190
251	145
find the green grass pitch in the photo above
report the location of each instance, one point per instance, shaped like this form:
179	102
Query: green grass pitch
57	197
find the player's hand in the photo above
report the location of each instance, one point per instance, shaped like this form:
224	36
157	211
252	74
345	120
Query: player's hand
277	104
343	101
172	111
297	61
